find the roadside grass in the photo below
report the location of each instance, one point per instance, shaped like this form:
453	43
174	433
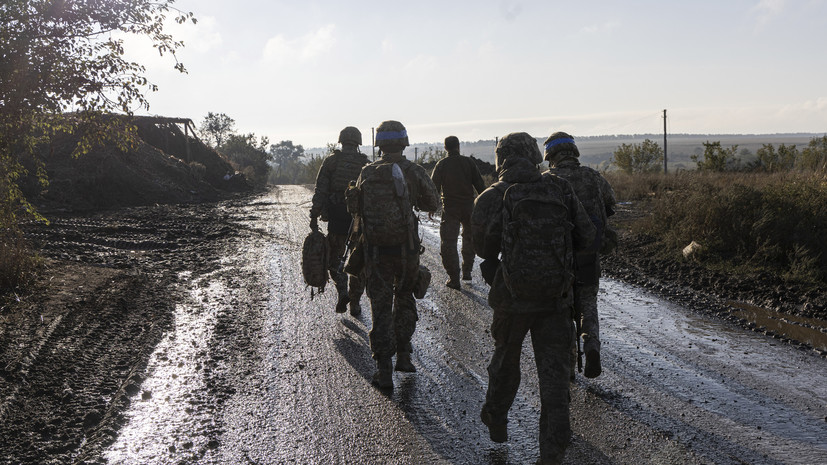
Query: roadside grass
18	263
745	223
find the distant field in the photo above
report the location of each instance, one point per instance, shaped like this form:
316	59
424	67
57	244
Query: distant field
596	151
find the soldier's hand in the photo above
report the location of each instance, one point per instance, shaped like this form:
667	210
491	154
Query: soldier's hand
314	223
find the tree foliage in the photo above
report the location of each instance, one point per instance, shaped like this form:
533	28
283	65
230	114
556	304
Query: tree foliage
638	158
773	161
287	158
249	155
62	70
716	158
814	155
216	128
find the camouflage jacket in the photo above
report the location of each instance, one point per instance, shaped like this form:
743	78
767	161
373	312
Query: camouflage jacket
457	177
335	174
421	190
598	198
487	227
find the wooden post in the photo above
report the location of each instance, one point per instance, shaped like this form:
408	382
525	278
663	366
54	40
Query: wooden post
664	142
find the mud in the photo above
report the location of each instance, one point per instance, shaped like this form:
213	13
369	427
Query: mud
791	313
73	351
181	334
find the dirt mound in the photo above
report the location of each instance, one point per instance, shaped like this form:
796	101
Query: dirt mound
165	166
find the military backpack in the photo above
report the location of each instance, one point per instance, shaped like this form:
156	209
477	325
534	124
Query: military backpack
315	261
537	251
385	205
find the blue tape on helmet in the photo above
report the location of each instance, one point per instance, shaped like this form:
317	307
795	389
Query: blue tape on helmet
557	142
387	135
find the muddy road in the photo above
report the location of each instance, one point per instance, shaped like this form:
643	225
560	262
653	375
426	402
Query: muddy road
220	356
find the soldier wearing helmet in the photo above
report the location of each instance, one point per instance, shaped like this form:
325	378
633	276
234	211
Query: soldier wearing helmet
515	314
458	178
336	172
598	198
388	190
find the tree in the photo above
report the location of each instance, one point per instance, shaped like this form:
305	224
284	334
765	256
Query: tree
249	155
216	128
717	158
62	70
814	155
638	158
773	161
287	157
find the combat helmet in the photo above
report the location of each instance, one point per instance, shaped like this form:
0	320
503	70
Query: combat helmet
518	145
350	135
391	135
560	146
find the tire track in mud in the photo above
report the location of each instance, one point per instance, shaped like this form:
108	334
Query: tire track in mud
279	378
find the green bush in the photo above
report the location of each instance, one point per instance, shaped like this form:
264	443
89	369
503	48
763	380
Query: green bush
772	223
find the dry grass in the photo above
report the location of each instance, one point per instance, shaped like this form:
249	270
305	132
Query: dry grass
18	263
771	223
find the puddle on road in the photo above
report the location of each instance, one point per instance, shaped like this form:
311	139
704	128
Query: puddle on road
788	326
163	421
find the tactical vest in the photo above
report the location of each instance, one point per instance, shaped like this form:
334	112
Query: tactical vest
347	168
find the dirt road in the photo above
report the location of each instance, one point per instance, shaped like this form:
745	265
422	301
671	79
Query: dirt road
220	356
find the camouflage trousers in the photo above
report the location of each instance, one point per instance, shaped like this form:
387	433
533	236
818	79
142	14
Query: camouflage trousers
551	338
345	284
448	233
390	284
585	303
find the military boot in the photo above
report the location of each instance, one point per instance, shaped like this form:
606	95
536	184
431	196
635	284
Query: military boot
453	282
355	308
383	378
341	305
403	362
497	430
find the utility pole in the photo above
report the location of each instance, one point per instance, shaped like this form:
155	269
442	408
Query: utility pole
664	142
372	144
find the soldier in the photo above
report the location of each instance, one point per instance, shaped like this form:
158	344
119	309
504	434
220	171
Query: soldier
336	172
386	194
598	199
536	222
457	177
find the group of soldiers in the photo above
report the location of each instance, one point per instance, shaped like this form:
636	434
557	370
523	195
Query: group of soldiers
557	217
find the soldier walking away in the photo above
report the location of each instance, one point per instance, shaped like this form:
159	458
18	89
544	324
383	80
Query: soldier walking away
598	198
384	198
457	177
336	172
534	223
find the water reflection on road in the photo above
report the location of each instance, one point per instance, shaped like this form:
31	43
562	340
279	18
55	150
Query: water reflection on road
673	380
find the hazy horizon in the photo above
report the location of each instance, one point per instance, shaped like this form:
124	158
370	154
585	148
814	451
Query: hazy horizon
302	71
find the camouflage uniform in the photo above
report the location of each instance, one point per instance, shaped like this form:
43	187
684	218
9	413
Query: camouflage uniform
549	322
598	198
457	177
337	170
391	271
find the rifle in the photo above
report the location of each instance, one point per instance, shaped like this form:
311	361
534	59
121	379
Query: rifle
349	245
353	260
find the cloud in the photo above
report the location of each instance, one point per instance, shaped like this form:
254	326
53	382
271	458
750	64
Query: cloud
281	50
605	28
201	37
767	10
422	64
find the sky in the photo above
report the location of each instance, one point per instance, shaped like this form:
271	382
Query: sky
302	70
